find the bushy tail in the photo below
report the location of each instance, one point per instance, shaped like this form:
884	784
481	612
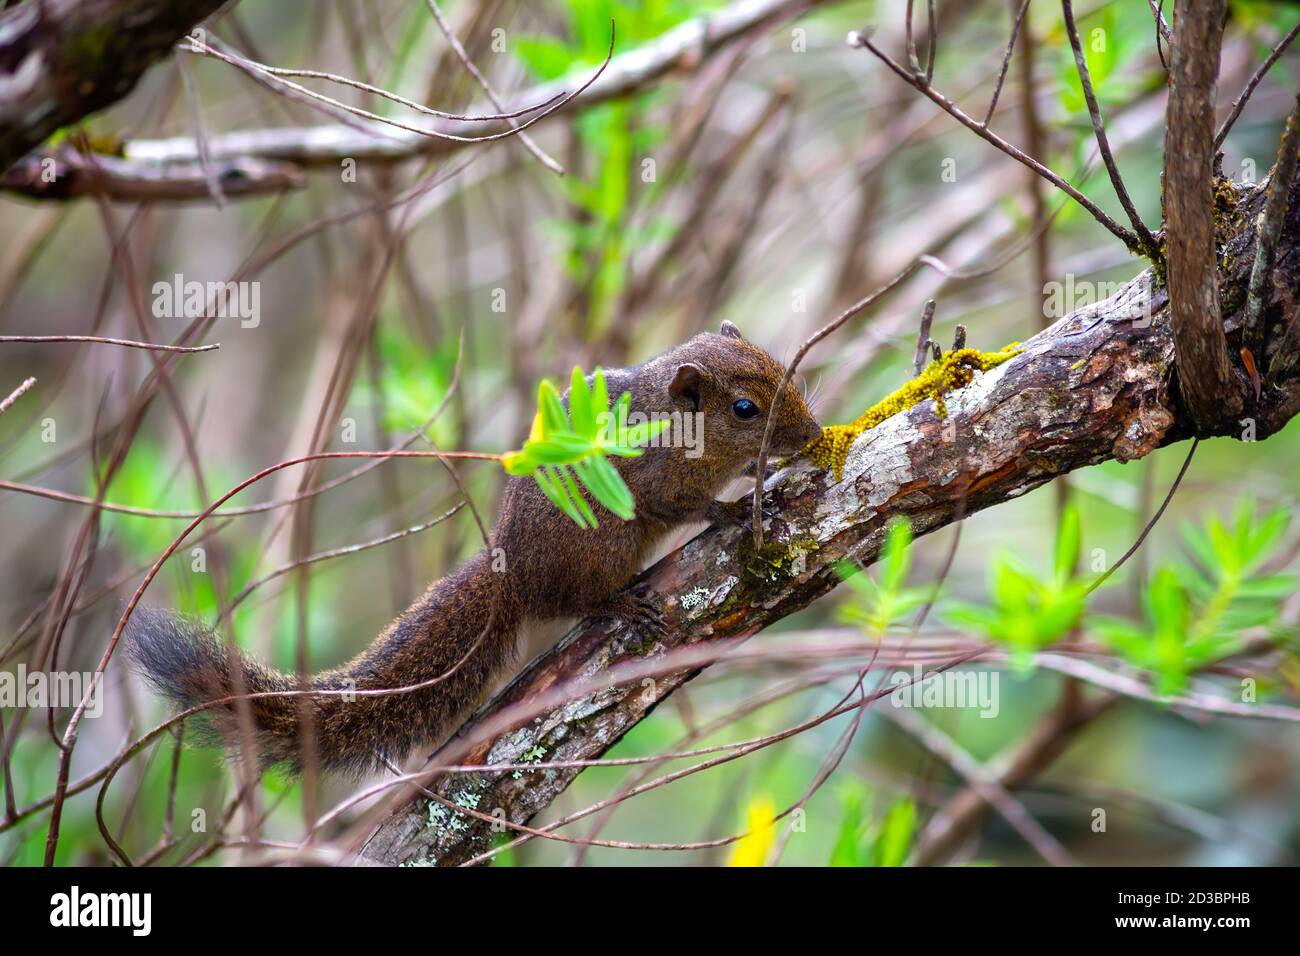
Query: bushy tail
455	638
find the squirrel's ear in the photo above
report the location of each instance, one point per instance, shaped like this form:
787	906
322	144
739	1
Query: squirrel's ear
685	386
730	331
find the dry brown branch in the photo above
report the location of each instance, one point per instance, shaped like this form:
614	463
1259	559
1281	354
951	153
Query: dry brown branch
1147	241
1239	103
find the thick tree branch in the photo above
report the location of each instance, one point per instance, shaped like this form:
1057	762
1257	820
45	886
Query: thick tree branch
1204	375
68	174
1093	387
61	60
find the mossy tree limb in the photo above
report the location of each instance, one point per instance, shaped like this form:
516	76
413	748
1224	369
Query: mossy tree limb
61	60
1096	386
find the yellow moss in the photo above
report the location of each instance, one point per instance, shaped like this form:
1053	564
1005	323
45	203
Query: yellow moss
953	371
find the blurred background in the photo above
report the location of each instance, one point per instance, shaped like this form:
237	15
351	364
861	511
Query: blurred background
769	180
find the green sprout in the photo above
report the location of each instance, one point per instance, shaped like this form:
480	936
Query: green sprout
568	451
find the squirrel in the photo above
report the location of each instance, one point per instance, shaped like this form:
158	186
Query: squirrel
458	636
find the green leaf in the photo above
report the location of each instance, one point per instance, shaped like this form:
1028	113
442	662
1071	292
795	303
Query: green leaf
894	556
608	486
560	448
848	842
548	402
1067	544
896	834
556	493
580	405
567	450
600	395
578	498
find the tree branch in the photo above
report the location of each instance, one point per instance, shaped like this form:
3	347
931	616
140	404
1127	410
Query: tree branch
68	174
329	144
61	60
1091	388
1204	375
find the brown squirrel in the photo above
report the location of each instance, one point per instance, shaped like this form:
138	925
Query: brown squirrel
462	631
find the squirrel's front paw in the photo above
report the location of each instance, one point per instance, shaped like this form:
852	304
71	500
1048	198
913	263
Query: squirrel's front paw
637	608
735	512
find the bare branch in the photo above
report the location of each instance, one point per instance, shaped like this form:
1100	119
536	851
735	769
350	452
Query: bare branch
490	93
1006	61
279	78
923	337
951	108
103	340
1148	241
16	394
1240	102
1204	375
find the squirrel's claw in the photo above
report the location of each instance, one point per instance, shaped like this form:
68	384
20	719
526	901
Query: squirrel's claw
637	609
737	512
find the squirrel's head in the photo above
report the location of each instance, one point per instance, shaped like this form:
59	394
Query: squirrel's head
733	382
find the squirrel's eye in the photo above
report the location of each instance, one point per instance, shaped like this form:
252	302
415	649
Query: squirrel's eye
745	409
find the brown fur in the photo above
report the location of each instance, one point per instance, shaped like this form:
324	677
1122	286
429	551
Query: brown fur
461	632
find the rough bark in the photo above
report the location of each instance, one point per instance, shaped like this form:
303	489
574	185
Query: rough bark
1096	386
61	60
1202	352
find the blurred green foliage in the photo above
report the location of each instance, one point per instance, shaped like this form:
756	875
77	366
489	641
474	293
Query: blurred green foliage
864	841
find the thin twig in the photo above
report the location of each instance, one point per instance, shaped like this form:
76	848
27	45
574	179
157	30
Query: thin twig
1150	524
931	41
201	134
910	42
102	340
479	78
984	782
1162	25
252	67
948	106
923	337
202	49
1148	241
1240	102
1006	61
16	394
